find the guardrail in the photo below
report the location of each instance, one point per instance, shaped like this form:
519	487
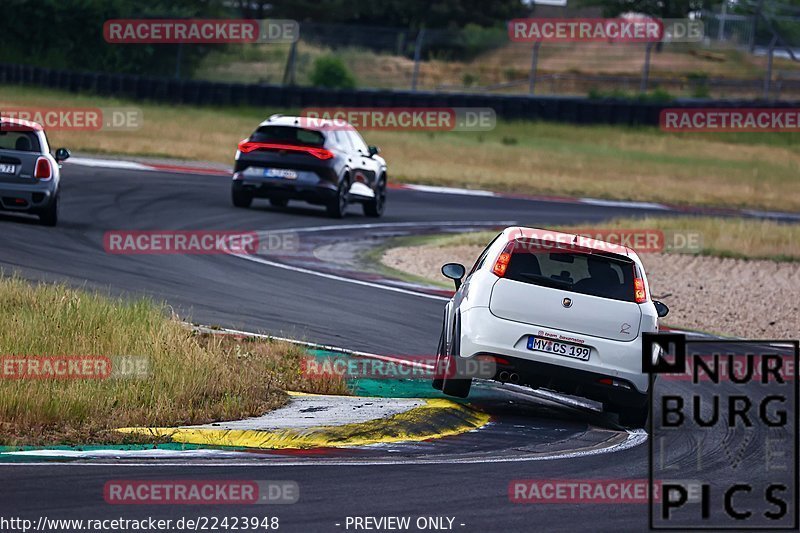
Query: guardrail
575	110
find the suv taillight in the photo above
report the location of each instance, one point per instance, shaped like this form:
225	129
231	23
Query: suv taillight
44	171
639	292
249	146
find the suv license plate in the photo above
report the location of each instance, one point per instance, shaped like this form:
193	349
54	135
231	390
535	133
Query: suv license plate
8	169
538	344
280	173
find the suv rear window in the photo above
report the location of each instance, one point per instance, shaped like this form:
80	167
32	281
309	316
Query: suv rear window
288	135
575	271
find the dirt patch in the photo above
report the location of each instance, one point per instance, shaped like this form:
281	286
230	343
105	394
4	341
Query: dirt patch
743	298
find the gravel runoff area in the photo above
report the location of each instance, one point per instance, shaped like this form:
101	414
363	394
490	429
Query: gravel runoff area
737	297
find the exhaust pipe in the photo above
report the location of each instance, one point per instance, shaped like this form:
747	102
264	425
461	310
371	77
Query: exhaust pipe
503	376
514	378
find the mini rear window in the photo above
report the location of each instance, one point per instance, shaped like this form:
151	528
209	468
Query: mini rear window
21	141
288	135
573	271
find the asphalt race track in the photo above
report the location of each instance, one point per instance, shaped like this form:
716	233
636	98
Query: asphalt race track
252	296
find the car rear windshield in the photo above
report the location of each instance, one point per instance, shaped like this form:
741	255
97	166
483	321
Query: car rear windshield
288	135
21	141
574	271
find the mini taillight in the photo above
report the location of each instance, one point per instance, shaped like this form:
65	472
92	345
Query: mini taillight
638	289
44	171
246	146
501	264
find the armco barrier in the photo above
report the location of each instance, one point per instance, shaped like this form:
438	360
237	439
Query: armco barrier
569	109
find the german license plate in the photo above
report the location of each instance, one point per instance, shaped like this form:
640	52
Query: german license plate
280	173
538	344
8	169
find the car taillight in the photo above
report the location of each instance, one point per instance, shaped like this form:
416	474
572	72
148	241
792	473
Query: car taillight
501	264
249	146
44	171
638	290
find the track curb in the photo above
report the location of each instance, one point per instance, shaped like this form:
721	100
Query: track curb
434	419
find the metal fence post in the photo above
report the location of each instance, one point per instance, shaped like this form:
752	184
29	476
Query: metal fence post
646	68
534	62
768	75
417	58
288	73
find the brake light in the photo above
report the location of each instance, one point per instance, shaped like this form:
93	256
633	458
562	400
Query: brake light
638	289
249	146
44	171
501	264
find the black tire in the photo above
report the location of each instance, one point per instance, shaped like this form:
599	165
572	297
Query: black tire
437	371
338	206
49	215
374	208
278	202
241	198
450	385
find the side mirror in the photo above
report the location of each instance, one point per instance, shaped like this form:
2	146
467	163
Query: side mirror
661	308
455	272
374	150
62	154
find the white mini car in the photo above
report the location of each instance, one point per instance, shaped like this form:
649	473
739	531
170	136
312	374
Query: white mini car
554	311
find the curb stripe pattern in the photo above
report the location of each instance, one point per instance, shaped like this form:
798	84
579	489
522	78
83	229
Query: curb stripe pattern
435	419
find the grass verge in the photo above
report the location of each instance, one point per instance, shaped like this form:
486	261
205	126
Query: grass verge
191	378
757	170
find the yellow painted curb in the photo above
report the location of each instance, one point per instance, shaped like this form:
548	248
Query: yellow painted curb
434	419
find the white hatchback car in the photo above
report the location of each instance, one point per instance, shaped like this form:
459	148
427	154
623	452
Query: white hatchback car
555	311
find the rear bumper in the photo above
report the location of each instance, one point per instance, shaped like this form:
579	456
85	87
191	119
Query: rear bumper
315	191
484	333
26	196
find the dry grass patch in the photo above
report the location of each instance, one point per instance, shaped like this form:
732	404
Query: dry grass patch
192	378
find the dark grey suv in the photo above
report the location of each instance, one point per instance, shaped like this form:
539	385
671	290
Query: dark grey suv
291	158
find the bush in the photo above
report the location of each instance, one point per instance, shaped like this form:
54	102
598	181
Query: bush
331	72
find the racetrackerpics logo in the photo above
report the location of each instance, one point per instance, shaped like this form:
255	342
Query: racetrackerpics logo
199	242
200	492
399	118
71	118
725	413
197	31
397	367
634	29
727	120
73	367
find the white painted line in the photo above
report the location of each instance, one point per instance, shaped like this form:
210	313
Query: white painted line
434	189
257	259
623	203
107	163
301	270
